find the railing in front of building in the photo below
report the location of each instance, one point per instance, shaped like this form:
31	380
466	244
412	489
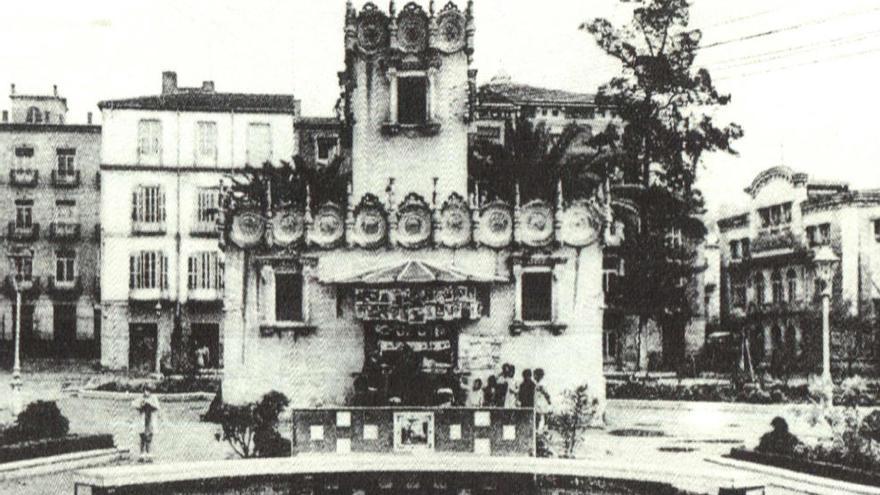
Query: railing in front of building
65	179
24	177
23	233
148	228
205	229
68	287
205	295
483	431
64	231
776	239
148	294
26	285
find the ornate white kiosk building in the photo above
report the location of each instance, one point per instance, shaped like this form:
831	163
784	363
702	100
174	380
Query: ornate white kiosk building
413	268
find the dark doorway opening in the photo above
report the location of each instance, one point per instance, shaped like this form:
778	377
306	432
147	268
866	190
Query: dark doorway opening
142	347
205	340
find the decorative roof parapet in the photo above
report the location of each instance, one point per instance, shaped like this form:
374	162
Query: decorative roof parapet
781	172
732	223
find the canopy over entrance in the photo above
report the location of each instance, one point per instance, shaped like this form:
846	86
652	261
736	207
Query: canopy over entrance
414	272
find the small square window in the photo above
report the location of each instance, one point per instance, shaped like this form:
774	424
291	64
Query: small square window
482	418
343	419
371	432
343	445
482	446
455	432
316	432
326	148
508	432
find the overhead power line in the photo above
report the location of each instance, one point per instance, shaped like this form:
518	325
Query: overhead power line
803	64
792	27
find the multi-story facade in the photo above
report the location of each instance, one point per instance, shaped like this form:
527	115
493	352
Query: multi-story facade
412	265
162	161
767	258
49	195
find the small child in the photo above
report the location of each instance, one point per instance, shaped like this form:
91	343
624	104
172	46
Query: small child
148	409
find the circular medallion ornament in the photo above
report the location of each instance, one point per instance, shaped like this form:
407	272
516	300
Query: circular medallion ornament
536	228
450	31
578	225
372	33
496	225
412	31
370	227
288	227
413	226
328	227
247	229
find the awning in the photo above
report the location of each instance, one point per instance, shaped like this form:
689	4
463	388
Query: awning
415	272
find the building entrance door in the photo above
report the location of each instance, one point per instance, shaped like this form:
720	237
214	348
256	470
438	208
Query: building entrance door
206	345
142	346
64	329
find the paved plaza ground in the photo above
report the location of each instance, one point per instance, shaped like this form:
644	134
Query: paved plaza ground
654	433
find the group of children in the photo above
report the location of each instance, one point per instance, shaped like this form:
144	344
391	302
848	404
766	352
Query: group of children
504	391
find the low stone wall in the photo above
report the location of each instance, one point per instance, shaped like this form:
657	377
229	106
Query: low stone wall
495	432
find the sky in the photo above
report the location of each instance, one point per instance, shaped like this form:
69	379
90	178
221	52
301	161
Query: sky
803	74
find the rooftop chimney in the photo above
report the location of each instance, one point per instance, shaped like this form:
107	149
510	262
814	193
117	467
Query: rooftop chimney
12	89
55	89
208	86
89	118
169	82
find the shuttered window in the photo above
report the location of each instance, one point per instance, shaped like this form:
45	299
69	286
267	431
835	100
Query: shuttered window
205	271
148	205
148	270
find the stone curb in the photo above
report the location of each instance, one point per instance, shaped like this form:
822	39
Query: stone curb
683	405
59	463
792	480
129	396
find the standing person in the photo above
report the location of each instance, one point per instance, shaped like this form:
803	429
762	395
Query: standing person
476	394
507	392
527	390
542	399
490	391
148	410
203	357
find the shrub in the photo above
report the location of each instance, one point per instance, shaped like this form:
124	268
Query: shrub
252	429
41	419
54	446
575	415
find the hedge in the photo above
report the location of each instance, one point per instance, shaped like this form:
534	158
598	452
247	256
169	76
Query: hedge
54	446
801	465
164	386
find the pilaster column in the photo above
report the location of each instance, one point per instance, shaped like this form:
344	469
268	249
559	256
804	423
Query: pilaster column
432	82
392	95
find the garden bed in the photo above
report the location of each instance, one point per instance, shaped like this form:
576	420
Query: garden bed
46	447
801	465
700	392
165	386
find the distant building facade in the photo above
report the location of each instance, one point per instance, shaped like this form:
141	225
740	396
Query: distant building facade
503	102
767	258
162	162
49	197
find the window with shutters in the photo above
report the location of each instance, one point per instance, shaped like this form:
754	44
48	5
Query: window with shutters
206	143
205	271
207	207
24	213
148	270
24	267
288	297
537	296
66	161
24	157
148	210
259	143
149	140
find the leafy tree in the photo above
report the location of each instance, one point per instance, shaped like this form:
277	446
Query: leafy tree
664	128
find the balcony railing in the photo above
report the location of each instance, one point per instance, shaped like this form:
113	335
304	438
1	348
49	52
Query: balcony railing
148	228
24	177
205	295
147	294
775	239
65	179
27	286
23	233
205	229
64	231
65	287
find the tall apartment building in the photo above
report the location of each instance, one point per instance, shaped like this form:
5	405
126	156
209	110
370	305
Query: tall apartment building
767	258
162	162
48	200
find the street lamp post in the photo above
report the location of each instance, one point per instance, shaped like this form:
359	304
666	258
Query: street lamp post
825	262
16	402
